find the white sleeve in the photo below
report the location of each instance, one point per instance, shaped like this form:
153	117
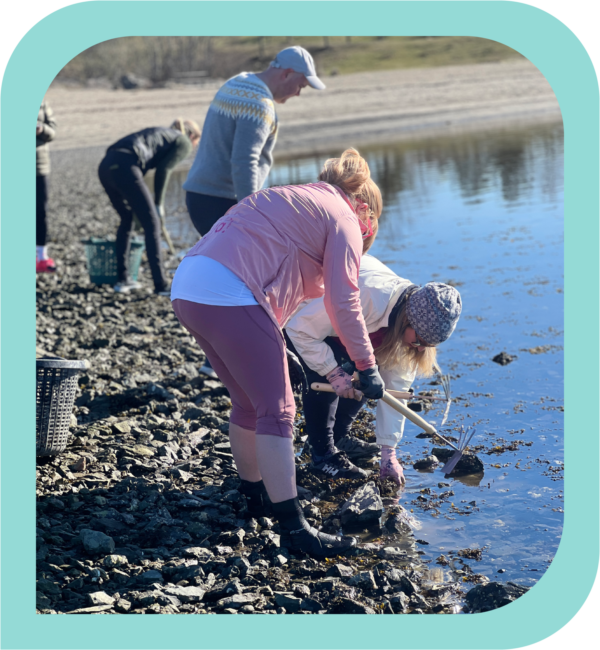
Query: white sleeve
389	425
308	328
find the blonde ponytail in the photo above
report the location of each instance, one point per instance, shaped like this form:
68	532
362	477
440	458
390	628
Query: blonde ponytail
188	127
352	175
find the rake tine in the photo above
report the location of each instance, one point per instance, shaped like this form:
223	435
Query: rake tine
452	462
468	440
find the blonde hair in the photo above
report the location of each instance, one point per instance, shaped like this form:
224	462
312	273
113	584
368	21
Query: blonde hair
392	352
351	173
188	127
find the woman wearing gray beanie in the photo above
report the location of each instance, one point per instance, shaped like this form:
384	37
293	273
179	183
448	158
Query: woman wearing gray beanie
405	323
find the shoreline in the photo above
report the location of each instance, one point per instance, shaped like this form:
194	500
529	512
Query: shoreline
355	110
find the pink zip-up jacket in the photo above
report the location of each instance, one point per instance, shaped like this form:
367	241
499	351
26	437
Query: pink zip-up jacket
292	243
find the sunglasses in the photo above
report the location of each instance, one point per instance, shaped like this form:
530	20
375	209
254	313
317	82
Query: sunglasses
366	229
418	343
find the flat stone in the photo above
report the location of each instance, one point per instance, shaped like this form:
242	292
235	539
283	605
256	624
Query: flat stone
236	601
95	542
142	450
363	580
365	506
186	594
90	610
349	606
100	598
112	561
391	553
151	576
340	571
287	600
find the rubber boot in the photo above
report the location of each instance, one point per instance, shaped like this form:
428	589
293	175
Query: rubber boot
297	535
257	499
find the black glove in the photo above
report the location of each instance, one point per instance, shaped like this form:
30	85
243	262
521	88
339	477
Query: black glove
371	383
296	373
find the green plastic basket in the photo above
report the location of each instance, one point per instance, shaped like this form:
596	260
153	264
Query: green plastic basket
102	260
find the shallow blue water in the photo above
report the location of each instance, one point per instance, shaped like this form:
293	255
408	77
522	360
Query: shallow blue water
483	212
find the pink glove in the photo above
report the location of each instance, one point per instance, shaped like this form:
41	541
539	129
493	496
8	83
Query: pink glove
390	467
342	384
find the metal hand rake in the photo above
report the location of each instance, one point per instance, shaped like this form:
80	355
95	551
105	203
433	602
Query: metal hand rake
463	441
445	381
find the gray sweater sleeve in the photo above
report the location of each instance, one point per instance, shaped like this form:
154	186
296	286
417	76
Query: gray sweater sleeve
248	142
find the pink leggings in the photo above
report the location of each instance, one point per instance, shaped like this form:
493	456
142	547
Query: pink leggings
247	351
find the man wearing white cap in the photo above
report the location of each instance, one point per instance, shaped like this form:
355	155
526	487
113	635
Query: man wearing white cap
236	149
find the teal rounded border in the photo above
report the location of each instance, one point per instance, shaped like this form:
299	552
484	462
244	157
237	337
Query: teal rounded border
559	55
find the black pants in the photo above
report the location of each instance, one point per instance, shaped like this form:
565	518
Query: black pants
328	417
206	210
123	181
41	206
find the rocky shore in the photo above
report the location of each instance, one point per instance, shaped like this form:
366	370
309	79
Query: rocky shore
141	513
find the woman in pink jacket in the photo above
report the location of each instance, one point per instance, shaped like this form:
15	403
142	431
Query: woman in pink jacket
236	289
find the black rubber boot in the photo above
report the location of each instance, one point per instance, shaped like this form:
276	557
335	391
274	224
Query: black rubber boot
257	499
297	535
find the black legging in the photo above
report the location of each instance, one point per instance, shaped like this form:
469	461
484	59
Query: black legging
328	417
123	181
41	205
206	210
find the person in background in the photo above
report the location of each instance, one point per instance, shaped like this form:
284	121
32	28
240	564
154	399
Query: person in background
44	133
240	130
240	284
405	324
122	173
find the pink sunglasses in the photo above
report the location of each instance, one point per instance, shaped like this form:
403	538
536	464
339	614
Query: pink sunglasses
366	229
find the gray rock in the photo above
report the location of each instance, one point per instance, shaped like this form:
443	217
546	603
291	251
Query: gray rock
365	506
96	543
151	576
100	598
399	602
429	462
115	561
41	600
340	571
483	598
363	580
301	590
186	594
504	358
391	553
236	601
397	524
407	586
286	599
349	606
122	605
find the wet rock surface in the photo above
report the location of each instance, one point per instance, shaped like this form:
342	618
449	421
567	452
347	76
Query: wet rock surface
484	598
504	358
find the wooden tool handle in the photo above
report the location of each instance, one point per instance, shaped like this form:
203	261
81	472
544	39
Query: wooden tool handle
407	413
393	402
327	388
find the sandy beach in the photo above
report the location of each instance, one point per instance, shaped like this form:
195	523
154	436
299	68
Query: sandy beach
354	110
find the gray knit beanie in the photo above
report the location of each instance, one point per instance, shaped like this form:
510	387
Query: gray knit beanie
433	312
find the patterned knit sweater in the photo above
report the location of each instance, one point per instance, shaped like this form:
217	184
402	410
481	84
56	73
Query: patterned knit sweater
235	152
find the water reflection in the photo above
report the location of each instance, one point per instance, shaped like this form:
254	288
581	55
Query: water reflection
410	174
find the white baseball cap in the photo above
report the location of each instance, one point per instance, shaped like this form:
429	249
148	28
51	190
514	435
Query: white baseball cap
299	60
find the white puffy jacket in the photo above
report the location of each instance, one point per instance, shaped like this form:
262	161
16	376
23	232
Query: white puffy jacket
308	328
